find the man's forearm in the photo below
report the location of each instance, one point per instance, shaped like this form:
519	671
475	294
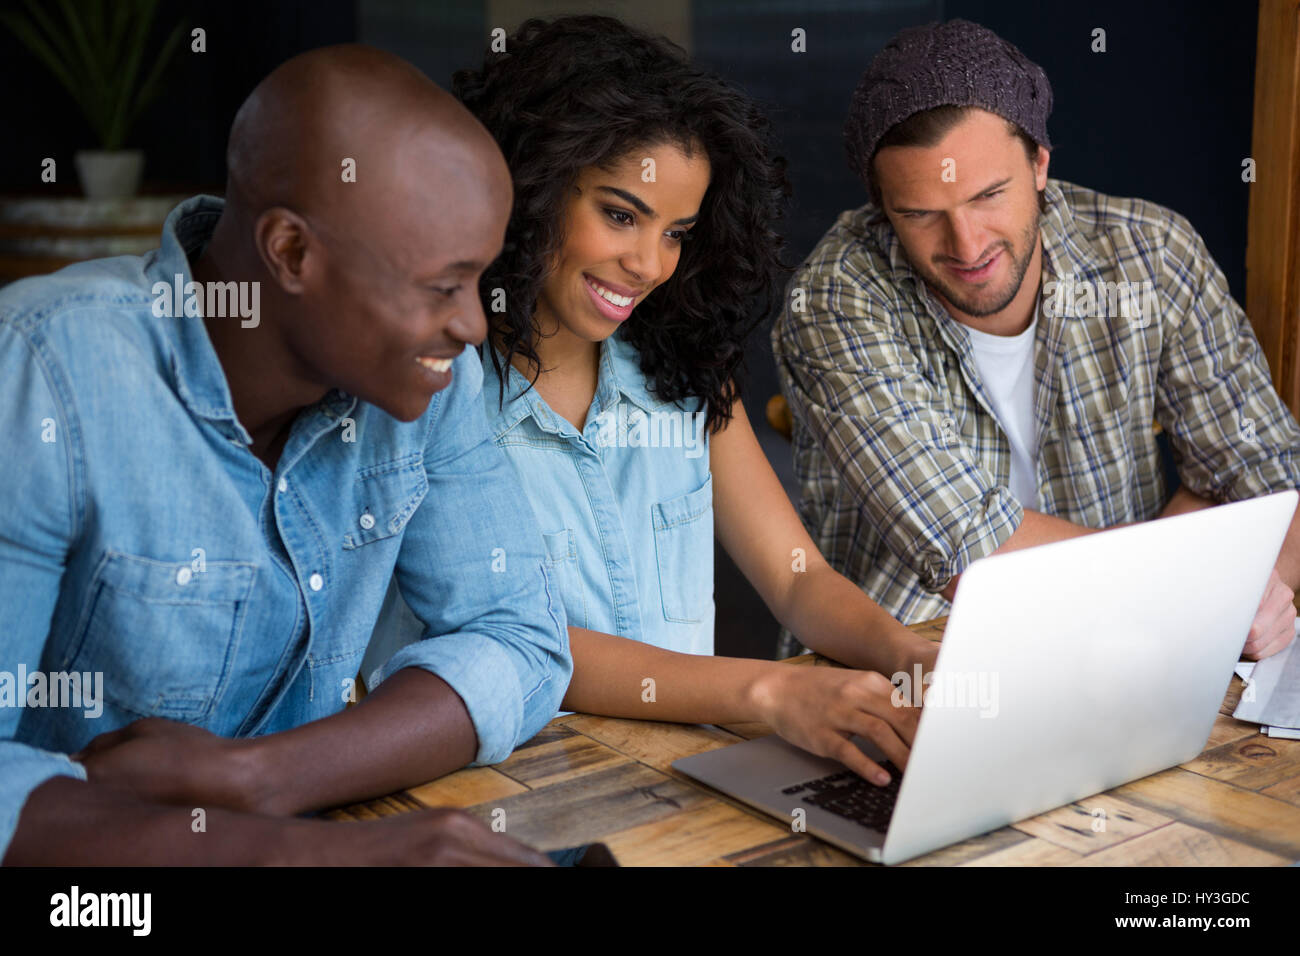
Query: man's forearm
66	821
413	728
1184	502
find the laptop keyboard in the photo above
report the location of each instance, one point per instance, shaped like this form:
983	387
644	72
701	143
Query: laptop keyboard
848	795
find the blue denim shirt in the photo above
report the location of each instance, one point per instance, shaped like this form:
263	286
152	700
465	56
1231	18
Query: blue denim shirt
625	506
141	539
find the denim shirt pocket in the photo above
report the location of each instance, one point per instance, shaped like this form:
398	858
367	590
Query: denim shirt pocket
683	529
562	567
162	633
384	496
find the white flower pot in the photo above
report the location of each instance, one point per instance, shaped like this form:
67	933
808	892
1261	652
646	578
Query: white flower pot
109	173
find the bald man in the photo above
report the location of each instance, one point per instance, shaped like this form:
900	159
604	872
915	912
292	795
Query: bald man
218	457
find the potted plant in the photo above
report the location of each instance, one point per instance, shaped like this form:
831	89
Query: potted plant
97	50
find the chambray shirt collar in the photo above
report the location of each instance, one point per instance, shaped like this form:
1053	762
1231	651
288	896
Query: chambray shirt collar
619	377
518	401
621	367
194	369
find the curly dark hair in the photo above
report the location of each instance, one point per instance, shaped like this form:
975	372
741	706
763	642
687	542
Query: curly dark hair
574	93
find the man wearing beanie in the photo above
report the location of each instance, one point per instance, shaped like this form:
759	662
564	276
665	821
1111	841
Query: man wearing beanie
975	358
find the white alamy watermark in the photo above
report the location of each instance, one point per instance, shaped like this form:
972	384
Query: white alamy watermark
76	690
630	427
977	690
1083	298
75	908
220	300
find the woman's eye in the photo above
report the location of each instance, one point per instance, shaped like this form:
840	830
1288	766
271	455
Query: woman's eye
679	235
615	214
449	292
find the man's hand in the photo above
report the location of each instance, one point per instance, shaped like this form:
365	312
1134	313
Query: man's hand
1274	625
71	822
163	761
436	838
820	708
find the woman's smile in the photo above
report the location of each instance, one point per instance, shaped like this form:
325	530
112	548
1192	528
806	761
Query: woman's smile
609	302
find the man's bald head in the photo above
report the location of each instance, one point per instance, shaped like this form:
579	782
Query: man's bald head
349	102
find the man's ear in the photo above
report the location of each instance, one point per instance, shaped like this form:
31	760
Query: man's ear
284	240
1040	169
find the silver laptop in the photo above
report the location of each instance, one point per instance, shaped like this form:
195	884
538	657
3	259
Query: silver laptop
1065	670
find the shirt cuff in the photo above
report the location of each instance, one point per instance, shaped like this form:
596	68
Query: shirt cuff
991	521
22	770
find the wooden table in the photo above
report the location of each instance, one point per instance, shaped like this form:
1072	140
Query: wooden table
584	779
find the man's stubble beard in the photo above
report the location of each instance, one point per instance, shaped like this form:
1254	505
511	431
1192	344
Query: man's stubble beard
1019	268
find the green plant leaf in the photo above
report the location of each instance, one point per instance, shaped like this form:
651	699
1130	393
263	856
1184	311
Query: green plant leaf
55	36
97	58
129	71
121	18
95	26
98	86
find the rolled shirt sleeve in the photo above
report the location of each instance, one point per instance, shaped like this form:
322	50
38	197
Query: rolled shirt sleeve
24	769
472	571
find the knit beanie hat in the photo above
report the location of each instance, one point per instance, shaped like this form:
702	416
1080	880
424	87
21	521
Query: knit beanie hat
957	63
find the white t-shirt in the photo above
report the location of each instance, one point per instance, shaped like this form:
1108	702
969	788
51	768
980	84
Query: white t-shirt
1006	367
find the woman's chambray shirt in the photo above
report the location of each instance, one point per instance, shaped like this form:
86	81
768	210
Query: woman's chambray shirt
625	505
140	539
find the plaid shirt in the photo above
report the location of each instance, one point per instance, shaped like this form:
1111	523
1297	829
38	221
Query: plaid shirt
904	469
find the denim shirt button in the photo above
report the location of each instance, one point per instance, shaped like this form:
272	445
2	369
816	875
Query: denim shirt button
283	485
367	521
183	576
316	582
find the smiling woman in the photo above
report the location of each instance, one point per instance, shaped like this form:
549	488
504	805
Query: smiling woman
594	118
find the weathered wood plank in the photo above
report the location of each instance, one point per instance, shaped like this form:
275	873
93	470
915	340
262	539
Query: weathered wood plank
1092	824
1178	844
1028	853
588	808
555	730
1226	729
691	838
795	850
1252	764
1219	808
1286	790
466	788
653	743
972	850
748	730
575	755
